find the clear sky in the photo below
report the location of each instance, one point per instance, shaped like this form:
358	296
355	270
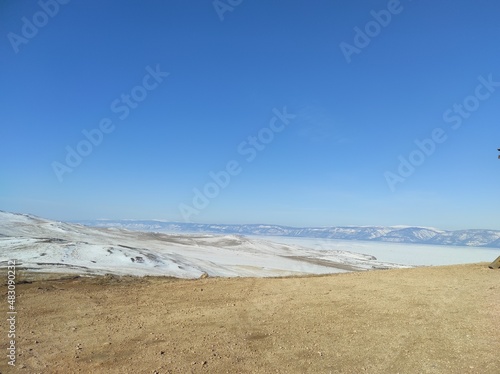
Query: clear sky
312	110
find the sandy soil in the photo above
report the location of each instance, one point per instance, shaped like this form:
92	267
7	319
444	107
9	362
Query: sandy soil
424	320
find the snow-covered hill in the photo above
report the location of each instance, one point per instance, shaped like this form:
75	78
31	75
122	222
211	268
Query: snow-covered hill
44	245
398	234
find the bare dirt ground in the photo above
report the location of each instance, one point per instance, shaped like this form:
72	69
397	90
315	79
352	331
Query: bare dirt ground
424	320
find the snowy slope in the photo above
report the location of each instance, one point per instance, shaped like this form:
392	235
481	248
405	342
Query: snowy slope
44	245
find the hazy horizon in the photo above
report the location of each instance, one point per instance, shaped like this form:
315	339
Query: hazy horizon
78	220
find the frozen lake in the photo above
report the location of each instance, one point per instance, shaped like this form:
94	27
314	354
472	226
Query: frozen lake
400	253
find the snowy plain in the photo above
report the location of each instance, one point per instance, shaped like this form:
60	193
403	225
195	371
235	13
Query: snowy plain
42	245
48	246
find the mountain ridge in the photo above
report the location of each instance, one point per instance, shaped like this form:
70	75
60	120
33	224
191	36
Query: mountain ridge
394	234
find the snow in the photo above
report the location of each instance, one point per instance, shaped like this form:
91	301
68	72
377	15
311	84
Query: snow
48	246
408	254
42	245
155	256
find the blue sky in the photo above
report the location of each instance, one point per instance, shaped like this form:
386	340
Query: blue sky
359	83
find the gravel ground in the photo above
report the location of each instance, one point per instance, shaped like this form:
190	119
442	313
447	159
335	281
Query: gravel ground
422	320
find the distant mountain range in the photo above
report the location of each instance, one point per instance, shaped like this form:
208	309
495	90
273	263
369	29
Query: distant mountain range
395	234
